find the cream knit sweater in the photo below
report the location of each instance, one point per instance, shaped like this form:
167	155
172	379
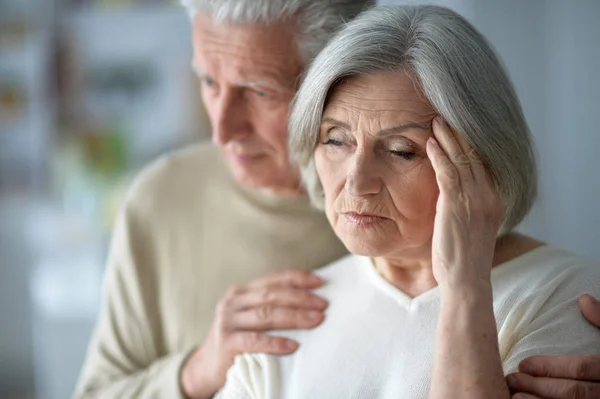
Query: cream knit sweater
378	343
186	233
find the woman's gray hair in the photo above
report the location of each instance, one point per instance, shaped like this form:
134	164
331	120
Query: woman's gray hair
458	72
317	20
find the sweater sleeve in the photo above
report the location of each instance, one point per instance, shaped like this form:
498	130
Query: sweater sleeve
557	326
126	356
252	376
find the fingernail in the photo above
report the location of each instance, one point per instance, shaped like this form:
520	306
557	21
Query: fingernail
313	315
432	141
315	279
590	298
441	120
291	345
320	302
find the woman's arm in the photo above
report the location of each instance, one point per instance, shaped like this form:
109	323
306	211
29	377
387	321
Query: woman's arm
467	361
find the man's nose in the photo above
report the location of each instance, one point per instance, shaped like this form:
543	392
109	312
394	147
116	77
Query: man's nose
363	179
230	120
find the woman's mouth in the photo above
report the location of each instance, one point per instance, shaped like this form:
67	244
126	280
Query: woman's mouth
363	219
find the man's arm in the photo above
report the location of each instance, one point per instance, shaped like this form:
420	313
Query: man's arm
127	356
561	377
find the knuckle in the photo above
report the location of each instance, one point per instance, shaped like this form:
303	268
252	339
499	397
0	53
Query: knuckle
581	370
473	157
267	296
250	339
462	160
296	276
575	391
449	179
264	313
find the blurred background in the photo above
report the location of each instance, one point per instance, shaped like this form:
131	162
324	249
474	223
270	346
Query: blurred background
93	90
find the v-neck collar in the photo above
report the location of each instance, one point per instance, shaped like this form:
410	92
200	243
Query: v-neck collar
404	300
412	303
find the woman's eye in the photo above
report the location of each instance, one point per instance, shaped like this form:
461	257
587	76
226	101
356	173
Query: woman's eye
404	154
333	142
208	81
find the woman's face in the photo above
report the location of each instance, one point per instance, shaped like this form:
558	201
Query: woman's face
380	187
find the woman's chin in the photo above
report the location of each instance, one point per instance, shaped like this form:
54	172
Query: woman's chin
366	247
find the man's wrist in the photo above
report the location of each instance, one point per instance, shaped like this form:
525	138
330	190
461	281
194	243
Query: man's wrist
193	384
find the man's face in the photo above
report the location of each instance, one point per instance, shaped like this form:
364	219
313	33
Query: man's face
248	76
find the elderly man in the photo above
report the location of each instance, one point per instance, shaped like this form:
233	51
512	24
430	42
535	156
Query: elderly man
208	218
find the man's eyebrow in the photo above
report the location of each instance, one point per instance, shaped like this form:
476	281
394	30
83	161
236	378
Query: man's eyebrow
270	84
384	132
263	83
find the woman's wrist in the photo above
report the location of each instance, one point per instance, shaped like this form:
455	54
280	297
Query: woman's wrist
466	287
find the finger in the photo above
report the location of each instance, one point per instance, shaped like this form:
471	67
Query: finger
551	388
522	395
572	367
450	145
255	342
283	297
590	308
275	318
480	174
445	172
287	278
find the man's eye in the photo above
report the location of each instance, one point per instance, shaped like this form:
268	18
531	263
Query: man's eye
403	154
260	93
208	81
333	142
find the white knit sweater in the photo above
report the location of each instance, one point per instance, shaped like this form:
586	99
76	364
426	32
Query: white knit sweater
376	342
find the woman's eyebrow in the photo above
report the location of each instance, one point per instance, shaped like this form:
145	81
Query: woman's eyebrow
384	132
335	122
402	128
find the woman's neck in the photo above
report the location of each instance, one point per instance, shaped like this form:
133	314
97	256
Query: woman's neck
415	276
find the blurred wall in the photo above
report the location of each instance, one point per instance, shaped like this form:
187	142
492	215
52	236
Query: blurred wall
551	50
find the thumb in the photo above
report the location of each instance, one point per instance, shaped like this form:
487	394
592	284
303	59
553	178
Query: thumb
590	308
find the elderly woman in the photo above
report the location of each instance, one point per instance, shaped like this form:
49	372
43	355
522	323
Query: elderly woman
412	139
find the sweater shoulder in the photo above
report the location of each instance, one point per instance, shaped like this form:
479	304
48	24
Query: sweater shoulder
178	178
552	270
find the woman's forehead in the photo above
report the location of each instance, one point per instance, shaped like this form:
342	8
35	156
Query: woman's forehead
392	96
389	95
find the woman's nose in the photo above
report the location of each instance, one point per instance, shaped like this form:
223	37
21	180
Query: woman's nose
363	179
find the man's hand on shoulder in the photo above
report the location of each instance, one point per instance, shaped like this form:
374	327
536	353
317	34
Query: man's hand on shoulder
561	377
280	301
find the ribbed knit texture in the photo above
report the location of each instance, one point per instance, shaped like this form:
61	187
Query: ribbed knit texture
378	343
186	233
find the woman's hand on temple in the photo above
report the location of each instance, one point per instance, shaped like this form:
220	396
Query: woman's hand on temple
468	215
468	212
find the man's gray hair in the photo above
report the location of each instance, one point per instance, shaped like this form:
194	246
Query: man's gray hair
458	72
317	20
